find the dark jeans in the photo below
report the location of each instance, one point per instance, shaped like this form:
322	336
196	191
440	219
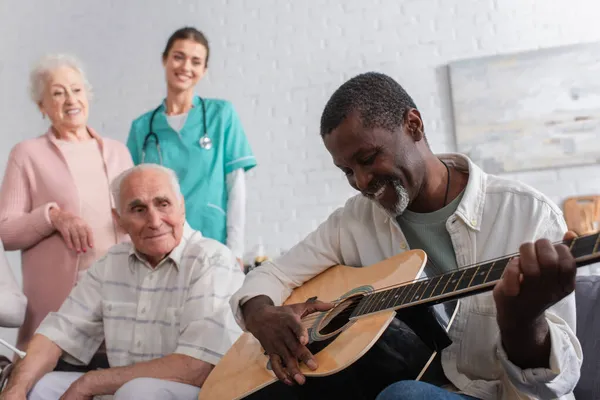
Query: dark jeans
413	390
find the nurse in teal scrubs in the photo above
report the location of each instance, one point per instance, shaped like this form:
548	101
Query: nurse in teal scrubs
201	139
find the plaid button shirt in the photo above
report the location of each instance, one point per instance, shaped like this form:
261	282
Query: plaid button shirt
143	313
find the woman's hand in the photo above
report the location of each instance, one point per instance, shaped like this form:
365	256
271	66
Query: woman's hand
76	233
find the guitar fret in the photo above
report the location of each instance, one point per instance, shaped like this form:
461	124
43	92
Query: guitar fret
446	285
428	281
367	302
409	294
431	287
465	279
476	271
488	273
401	295
462	274
406	296
497	271
416	296
441	285
481	275
384	297
378	302
440	279
361	306
392	298
358	309
373	303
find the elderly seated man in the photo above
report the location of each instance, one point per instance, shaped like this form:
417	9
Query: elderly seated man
160	303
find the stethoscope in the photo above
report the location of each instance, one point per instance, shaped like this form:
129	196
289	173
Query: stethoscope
205	142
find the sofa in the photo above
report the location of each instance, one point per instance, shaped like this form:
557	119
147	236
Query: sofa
587	295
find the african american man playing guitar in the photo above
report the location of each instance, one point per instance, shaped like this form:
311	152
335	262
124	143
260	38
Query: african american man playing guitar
515	342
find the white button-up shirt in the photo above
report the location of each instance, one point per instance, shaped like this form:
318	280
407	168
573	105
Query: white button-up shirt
494	217
180	306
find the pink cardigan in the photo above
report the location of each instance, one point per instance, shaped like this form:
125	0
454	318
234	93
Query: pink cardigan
36	177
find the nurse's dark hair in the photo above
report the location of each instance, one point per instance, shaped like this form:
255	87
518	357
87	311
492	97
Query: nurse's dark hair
189	33
379	100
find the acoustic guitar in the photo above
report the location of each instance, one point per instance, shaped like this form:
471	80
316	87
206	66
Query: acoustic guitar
365	302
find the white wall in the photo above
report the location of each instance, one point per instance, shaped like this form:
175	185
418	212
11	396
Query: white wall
278	62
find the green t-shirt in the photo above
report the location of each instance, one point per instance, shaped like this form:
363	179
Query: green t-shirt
428	232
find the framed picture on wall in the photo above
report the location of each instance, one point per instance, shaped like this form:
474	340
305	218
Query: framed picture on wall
530	110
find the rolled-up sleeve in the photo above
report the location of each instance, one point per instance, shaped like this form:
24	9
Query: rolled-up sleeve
208	328
77	326
276	279
566	356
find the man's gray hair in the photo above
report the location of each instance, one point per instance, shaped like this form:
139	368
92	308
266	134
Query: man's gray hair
115	185
39	74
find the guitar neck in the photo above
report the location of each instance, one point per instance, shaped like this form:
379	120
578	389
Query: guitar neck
463	282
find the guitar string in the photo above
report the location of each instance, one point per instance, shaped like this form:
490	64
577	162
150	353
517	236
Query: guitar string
348	311
314	316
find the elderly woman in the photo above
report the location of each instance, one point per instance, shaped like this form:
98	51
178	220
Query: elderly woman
55	203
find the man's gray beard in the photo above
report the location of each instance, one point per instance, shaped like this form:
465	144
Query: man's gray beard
403	199
401	204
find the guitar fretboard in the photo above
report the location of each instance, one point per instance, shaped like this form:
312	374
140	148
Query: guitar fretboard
462	281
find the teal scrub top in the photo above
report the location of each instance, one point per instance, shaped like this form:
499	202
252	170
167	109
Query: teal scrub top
201	172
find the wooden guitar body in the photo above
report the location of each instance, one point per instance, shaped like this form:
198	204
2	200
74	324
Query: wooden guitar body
245	368
365	302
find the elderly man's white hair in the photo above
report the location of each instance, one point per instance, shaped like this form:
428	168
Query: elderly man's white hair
115	186
39	74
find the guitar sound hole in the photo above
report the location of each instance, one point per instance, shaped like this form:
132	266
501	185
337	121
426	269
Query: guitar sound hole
339	315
